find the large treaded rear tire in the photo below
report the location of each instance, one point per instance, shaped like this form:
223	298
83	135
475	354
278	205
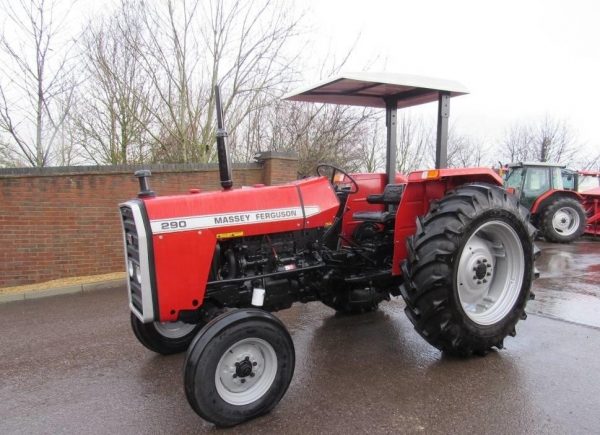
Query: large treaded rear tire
433	302
573	208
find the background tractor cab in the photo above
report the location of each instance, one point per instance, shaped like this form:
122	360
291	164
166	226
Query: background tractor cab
551	193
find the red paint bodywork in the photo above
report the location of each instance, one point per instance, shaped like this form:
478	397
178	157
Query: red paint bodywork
182	259
591	204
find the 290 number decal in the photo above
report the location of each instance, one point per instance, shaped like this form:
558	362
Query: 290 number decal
173	225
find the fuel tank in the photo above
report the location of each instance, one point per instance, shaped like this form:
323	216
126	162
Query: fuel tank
185	229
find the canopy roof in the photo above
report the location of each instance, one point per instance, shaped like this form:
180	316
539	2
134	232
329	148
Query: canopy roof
369	89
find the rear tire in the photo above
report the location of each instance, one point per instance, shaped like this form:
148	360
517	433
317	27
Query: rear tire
563	220
469	270
238	367
164	338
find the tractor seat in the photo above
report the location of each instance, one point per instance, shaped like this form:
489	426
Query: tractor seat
391	196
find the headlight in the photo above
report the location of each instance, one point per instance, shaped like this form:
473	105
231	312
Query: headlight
138	274
130	268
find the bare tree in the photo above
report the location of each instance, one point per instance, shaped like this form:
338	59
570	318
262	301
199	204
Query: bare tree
36	89
115	105
465	151
186	47
415	143
546	140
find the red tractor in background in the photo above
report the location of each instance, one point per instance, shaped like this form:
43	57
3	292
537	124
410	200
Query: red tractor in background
205	270
564	204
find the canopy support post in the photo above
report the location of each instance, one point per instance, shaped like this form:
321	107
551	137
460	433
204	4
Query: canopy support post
391	122
441	146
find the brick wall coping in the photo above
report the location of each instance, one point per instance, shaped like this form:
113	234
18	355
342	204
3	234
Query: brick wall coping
280	155
118	169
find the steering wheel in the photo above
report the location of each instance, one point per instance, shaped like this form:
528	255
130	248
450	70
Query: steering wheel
334	170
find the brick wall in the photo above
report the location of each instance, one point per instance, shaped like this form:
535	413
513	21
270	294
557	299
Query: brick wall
64	222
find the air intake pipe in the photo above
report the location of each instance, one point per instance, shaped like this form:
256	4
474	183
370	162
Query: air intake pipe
145	190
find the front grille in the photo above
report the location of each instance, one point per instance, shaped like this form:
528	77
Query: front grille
132	260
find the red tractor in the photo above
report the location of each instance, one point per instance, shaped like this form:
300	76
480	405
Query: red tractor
563	203
207	269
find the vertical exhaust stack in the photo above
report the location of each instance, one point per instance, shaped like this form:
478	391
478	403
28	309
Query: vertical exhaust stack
222	154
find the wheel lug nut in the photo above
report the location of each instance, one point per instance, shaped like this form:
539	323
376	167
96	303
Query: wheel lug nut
489	265
478	282
474	269
474	277
484	280
255	363
242	380
478	261
485	260
234	376
488	274
252	374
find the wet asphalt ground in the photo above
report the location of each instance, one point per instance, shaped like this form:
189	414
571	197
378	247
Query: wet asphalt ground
70	364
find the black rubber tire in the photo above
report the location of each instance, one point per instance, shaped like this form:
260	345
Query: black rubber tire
546	227
429	288
209	346
152	339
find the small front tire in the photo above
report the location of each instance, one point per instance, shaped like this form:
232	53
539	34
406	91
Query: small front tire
164	338
238	367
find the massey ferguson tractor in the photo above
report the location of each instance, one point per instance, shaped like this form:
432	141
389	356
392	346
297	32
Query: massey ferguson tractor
206	270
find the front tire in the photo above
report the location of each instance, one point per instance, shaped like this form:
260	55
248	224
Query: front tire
164	338
469	270
238	367
563	220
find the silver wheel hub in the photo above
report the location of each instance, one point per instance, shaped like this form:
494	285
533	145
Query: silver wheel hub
565	221
174	330
246	371
490	272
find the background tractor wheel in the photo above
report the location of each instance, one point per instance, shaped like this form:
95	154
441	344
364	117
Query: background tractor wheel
238	367
164	338
563	220
469	270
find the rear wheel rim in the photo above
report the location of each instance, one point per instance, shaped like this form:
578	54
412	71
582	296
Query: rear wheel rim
490	272
173	330
246	371
565	221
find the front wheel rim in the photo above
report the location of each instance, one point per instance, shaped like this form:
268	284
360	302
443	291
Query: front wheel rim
174	330
246	371
565	221
490	272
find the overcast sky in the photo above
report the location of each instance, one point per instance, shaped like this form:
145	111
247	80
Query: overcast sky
520	59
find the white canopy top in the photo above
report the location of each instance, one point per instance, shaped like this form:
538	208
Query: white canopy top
369	89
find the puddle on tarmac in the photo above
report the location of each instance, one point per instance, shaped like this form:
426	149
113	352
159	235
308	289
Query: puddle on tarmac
569	284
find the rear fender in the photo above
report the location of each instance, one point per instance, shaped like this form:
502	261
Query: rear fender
424	187
544	200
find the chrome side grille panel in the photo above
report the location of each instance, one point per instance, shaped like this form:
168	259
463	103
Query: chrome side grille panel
137	264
